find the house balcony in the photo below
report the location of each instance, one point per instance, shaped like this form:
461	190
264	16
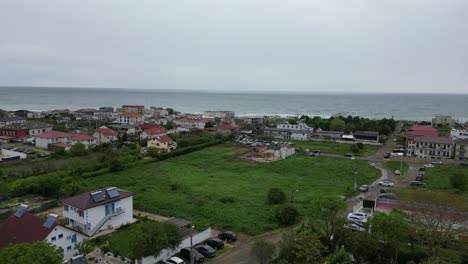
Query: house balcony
87	229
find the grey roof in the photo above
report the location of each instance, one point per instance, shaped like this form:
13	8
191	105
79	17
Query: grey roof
366	133
28	125
11	118
179	222
304	131
461	141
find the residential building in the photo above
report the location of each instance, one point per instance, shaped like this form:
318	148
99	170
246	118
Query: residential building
253	120
153	132
25	130
158	111
227	129
461	149
459	134
92	212
370	136
289	131
5	121
25	227
105	135
223	115
84	139
429	147
139	109
323	134
43	140
416	130
191	123
130	118
163	143
441	120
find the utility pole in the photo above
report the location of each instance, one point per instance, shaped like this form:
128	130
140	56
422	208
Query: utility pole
401	165
355	179
191	244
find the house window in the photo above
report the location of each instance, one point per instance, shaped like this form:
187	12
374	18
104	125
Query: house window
68	248
73	240
81	213
65	208
60	236
53	239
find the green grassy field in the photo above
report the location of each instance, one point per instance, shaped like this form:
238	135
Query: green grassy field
214	187
438	178
396	165
335	148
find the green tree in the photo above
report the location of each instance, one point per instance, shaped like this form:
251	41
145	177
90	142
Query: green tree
263	251
36	253
276	196
170	111
337	124
328	211
287	215
78	150
116	165
458	181
306	248
152	152
340	256
84	247
149	238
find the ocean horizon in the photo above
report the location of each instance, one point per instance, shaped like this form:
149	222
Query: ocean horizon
408	106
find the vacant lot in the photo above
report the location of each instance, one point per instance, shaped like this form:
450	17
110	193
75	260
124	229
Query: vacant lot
438	178
213	187
396	165
335	148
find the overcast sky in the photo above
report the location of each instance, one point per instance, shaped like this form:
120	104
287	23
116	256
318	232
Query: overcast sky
245	45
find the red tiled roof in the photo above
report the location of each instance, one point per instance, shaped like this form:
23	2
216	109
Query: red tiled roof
155	131
164	139
60	145
432	139
149	126
54	134
107	132
82	137
228	126
25	229
422	131
193	120
131	114
84	200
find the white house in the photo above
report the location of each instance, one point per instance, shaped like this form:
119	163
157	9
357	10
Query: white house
459	134
153	133
25	227
430	147
91	212
52	137
84	139
5	121
289	131
163	143
189	122
105	135
130	118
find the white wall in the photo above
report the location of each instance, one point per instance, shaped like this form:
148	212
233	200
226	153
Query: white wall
65	242
167	253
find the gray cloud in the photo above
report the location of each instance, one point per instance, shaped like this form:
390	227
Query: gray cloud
267	45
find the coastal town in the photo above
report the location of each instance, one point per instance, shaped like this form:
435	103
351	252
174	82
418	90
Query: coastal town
65	182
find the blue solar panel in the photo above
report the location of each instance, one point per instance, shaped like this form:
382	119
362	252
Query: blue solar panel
50	221
98	196
20	211
113	192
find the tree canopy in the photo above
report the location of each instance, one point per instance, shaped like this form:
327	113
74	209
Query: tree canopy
35	253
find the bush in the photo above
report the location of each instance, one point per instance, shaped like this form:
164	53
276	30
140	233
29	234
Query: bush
458	181
287	215
276	196
227	200
264	251
354	149
360	145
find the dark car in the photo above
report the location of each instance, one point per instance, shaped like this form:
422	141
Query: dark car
384	190
349	155
422	168
185	253
206	251
386	155
418	178
228	236
417	183
215	243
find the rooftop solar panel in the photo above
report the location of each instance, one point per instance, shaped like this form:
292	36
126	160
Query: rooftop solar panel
113	192
98	196
50	221
21	211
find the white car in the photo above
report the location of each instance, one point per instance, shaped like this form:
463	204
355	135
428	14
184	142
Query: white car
428	165
358	214
397	172
386	183
174	260
356	219
355	227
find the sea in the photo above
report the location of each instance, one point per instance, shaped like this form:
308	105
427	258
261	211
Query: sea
418	107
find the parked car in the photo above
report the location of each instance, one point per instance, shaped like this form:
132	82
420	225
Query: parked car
173	260
364	188
228	236
386	183
397	172
355	227
428	165
349	155
185	253
387	155
418	178
417	183
436	162
358	214
422	168
388	195
206	250
384	190
342	197
215	243
356	219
